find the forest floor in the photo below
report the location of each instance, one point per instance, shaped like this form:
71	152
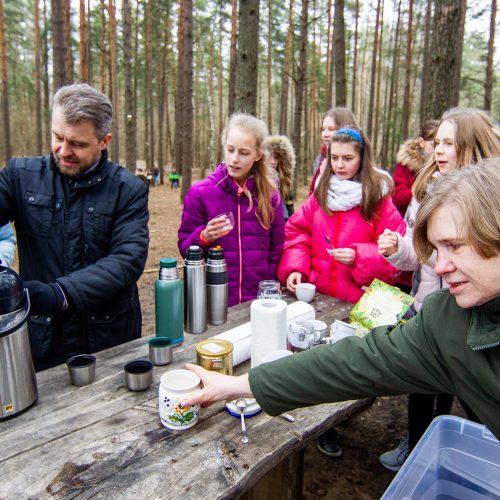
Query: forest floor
357	474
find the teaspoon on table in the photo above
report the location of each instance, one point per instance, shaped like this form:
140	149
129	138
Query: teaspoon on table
241	404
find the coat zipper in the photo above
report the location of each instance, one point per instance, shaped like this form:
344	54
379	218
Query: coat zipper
486	346
240	256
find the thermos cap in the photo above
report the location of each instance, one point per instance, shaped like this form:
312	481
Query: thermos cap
216	253
168	262
194	252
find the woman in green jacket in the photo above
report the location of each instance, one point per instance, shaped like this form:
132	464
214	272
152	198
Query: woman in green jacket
451	346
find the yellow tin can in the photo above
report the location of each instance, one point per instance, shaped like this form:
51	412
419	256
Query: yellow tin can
215	355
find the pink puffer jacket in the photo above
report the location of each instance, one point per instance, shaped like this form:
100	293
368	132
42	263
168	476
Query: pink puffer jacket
305	248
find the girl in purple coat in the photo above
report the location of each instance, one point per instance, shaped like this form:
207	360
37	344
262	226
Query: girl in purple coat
243	186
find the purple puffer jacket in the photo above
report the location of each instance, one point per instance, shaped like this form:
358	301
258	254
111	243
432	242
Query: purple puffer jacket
252	252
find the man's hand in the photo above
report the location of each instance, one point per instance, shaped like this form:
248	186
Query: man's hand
45	298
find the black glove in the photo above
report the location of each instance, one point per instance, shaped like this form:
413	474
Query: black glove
46	299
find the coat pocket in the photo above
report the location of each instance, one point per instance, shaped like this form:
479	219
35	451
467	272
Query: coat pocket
113	324
40	332
41	210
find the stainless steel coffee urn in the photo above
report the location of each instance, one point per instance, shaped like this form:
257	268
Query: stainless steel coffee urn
18	389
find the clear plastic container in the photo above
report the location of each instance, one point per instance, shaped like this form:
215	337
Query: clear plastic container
455	458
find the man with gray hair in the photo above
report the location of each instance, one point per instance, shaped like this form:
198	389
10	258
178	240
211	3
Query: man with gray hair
82	230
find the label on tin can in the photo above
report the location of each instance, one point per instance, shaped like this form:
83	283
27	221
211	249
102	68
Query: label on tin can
215	355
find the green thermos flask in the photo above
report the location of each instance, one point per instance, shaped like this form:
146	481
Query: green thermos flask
168	302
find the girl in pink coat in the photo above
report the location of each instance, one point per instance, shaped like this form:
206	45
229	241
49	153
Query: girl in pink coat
331	240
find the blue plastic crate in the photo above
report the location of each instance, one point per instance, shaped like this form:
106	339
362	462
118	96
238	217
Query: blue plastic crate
454	459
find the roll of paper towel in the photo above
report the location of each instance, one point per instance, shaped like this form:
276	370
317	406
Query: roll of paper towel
241	336
269	328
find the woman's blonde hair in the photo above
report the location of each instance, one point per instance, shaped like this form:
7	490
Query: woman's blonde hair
476	137
375	184
265	210
474	190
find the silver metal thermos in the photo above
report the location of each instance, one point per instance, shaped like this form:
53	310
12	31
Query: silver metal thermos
18	389
195	291
216	286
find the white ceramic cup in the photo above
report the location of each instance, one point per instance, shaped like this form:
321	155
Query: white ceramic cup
175	385
340	330
305	291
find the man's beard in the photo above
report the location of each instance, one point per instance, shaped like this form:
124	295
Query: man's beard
74	171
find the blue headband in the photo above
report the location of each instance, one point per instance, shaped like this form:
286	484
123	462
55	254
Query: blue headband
352	133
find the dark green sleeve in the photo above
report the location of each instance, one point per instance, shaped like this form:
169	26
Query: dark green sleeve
384	362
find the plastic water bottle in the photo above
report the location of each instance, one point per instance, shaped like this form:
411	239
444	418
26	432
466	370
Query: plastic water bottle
195	291
216	286
168	302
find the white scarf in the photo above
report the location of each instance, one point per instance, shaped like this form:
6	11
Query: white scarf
343	194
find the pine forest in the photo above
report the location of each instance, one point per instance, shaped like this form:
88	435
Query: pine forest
175	70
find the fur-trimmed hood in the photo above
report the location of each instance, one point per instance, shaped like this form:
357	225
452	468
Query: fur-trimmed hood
281	146
411	155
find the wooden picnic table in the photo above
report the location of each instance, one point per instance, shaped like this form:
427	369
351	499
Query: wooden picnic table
104	441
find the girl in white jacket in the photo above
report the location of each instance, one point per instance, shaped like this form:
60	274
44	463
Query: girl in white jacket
464	136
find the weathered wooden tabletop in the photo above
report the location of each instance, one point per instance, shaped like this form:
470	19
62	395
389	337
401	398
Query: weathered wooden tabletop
103	440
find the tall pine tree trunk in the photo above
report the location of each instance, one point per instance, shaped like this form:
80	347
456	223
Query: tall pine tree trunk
150	157
45	65
446	54
84	44
377	90
425	105
232	58
488	84
300	85
405	120
247	57
339	54
130	118
390	116
59	65
269	65
371	102
179	94
286	72
186	72
115	100
38	82
329	53
355	59
5	89
103	58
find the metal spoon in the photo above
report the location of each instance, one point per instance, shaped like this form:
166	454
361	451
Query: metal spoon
288	417
241	404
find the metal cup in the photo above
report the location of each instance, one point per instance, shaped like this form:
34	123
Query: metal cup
81	369
138	375
160	350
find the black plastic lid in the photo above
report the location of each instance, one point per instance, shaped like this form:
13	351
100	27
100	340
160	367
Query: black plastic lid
216	253
194	252
11	291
